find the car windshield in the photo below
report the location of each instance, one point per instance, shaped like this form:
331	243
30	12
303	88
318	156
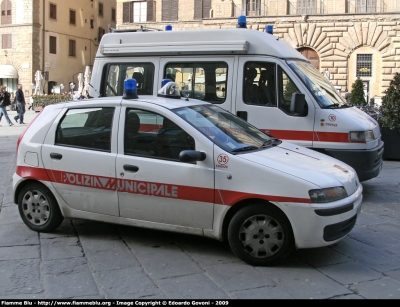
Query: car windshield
226	130
321	88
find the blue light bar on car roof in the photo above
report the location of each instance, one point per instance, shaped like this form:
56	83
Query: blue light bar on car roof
130	89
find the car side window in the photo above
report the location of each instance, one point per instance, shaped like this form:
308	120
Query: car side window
152	135
86	128
116	73
286	88
259	84
200	80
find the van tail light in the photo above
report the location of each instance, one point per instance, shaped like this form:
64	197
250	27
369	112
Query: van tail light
26	129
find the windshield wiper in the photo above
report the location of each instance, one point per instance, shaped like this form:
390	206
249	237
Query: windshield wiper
245	148
334	105
272	142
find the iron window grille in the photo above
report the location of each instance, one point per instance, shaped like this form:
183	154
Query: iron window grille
364	65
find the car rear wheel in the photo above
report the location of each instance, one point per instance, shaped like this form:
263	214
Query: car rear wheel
38	208
260	235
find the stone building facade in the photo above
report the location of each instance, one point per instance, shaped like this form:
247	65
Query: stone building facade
344	39
59	38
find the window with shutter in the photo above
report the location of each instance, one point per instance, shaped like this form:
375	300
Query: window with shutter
150	10
53	44
113	14
53	11
6	41
6	9
307	7
198	9
72	18
101	9
365	6
72	48
169	10
127	8
101	33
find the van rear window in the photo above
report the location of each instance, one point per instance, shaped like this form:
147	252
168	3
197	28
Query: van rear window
200	80
115	74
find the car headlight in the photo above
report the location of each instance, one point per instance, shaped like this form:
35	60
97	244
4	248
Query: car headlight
327	195
361	136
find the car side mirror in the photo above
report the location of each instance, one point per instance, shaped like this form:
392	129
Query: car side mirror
191	156
298	103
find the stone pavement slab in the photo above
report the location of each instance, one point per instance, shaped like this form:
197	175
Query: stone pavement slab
191	287
127	283
384	288
20	277
68	278
60	248
17	234
350	273
302	282
238	276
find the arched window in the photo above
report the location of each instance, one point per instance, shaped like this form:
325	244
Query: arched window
6	10
311	55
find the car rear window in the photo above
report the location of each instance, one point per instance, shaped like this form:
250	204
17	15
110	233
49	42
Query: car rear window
86	128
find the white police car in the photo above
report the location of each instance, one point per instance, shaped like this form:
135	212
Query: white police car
181	165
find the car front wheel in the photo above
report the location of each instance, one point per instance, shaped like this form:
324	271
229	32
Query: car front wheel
260	235
38	208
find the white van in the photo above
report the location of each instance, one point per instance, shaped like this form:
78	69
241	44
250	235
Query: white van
252	74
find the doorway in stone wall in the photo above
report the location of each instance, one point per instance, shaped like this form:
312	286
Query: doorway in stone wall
311	55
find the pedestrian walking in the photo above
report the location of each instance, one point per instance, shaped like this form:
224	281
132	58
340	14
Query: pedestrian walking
19	95
347	96
5	101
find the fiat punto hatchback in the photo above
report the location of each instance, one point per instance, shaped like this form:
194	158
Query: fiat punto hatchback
182	165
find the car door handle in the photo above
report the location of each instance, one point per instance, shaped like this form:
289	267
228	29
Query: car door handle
56	156
131	168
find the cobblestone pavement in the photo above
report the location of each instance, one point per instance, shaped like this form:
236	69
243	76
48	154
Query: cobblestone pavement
85	259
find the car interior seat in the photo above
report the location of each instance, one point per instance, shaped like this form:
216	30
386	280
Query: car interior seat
171	140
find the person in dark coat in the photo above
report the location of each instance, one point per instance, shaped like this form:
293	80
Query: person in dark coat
4	102
20	105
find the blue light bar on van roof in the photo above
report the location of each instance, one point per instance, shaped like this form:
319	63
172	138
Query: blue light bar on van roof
165	81
130	89
242	21
269	29
168	28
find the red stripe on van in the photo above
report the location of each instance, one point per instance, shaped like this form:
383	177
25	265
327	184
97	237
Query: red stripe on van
208	195
317	136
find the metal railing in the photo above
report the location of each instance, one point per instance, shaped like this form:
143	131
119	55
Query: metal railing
254	9
370	6
306	7
314	7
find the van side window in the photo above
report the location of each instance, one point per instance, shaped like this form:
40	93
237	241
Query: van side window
286	88
203	80
115	74
86	128
259	84
152	135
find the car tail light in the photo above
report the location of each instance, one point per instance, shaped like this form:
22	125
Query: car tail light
26	129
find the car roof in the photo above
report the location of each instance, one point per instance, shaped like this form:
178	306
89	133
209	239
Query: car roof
168	103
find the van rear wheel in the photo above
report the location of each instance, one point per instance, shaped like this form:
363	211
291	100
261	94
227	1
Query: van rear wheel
260	235
38	208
